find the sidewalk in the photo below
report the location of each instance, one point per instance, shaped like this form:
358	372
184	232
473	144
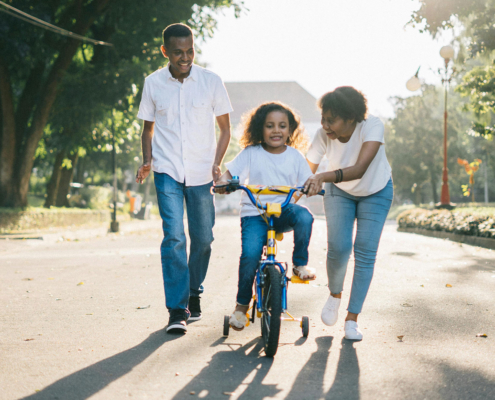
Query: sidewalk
84	232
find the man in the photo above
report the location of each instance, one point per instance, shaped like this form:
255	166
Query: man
178	104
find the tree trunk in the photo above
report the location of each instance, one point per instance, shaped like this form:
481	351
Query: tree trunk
52	187
417	195
65	180
7	138
23	163
433	186
79	178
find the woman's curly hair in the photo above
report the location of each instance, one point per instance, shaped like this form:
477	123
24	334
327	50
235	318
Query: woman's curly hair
345	102
254	121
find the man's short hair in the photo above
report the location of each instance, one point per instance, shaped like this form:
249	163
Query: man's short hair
175	30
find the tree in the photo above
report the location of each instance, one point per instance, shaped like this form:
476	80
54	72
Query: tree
479	85
478	37
34	64
476	16
414	145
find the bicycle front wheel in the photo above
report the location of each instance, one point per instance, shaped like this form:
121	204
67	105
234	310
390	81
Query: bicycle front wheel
272	306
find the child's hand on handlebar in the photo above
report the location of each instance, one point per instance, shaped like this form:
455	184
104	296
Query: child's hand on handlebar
313	185
220	190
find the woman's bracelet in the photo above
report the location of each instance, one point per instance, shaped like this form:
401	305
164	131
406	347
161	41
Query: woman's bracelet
339	175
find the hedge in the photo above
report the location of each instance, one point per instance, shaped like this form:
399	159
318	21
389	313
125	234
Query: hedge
13	220
465	221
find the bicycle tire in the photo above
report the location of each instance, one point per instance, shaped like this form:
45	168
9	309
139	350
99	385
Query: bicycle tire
272	306
226	325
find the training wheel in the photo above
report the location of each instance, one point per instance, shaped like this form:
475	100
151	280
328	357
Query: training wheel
305	326
226	325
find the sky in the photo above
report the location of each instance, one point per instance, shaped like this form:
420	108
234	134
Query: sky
323	44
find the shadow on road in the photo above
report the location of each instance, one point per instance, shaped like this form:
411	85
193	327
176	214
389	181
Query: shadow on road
346	382
310	380
227	372
90	380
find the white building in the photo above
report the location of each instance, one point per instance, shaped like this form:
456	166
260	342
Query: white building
245	96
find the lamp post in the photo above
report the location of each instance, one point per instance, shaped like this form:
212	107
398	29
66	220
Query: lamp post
447	53
413	84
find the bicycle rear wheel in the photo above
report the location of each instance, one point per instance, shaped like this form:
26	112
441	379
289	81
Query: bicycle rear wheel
272	306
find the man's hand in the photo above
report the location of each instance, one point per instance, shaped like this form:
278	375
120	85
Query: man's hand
313	185
216	172
143	172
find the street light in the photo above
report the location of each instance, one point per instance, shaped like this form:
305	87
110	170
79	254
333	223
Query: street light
413	84
447	53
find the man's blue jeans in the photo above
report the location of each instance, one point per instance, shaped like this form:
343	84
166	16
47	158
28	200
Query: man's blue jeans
341	210
254	235
180	277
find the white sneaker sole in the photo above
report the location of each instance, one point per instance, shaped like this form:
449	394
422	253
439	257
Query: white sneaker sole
195	318
177	328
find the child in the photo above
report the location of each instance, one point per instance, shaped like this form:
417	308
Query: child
271	140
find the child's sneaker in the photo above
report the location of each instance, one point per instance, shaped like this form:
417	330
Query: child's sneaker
330	312
194	308
177	321
352	331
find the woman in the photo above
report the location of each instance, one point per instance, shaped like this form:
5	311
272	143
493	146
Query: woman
358	186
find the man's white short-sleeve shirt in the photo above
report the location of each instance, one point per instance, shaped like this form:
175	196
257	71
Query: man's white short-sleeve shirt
184	142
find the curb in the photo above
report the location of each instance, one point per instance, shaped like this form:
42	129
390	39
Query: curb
487	243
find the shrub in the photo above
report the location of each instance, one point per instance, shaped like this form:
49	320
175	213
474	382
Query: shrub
465	221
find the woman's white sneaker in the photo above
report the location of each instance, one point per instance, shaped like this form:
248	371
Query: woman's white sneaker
352	331
330	312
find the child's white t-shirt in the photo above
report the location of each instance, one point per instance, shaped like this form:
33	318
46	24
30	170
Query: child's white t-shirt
343	155
256	166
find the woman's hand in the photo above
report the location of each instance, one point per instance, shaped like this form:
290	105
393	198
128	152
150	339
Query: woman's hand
313	185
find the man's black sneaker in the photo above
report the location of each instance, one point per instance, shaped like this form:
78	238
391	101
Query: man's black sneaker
177	321
194	308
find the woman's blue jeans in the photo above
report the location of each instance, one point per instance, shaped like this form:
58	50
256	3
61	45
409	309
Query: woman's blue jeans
370	212
183	278
254	235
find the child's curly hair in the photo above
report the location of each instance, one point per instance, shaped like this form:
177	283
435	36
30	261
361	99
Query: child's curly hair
254	122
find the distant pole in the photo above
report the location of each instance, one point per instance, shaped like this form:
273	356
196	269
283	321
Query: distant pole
447	53
114	225
445	197
485	167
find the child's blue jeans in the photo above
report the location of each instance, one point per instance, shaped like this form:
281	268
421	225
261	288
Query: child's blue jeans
342	210
182	277
254	235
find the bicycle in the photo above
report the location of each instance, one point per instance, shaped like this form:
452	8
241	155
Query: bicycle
271	281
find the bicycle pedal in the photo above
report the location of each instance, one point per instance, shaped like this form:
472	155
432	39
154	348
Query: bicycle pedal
296	279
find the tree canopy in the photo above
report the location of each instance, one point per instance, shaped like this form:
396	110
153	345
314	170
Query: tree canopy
46	78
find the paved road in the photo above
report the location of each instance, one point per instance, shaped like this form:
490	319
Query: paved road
70	327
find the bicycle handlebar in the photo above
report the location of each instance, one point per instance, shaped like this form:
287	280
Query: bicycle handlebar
234	185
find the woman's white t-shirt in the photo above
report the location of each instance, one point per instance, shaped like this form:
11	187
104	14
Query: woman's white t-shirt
343	155
257	166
